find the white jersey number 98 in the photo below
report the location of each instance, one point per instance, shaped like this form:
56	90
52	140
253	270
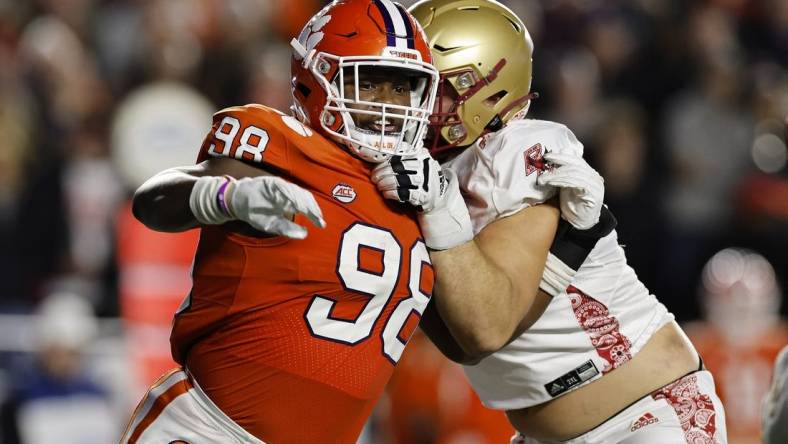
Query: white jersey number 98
378	286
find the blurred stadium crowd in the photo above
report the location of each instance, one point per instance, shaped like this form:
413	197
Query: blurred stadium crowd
681	106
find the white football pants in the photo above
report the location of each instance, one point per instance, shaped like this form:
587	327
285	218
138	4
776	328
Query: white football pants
687	411
176	411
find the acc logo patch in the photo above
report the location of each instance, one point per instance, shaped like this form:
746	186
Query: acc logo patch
344	193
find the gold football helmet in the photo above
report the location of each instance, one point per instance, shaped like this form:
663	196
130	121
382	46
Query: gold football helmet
483	52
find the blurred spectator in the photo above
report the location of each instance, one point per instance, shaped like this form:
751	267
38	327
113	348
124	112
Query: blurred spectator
56	389
17	124
613	38
621	148
268	72
55	223
620	151
118	45
65	70
92	194
708	133
762	197
765	30
576	90
741	335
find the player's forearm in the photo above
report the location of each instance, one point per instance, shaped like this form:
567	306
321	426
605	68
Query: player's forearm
485	288
162	202
479	303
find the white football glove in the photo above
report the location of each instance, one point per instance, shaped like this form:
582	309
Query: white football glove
420	181
582	188
267	203
417	180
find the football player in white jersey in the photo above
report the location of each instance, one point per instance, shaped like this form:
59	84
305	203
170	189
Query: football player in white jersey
591	357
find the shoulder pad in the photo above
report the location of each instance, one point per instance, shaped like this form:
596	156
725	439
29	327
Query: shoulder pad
524	135
254	134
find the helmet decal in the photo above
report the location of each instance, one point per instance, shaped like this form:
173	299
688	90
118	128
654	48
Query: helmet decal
311	35
399	31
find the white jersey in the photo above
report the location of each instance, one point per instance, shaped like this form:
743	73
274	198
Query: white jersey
603	318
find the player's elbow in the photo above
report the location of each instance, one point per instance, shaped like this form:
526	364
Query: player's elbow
463	357
468	346
146	208
489	330
141	206
480	342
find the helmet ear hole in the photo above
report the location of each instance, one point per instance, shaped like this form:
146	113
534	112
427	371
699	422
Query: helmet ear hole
303	89
493	100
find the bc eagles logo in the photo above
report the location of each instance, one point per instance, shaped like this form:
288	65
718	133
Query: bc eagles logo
534	162
344	193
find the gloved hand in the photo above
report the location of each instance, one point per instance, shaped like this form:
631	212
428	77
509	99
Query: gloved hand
420	181
417	180
267	203
582	189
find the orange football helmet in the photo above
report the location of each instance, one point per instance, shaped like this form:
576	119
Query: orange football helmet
349	38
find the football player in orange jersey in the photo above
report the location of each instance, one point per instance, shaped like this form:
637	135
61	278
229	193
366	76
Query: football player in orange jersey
307	284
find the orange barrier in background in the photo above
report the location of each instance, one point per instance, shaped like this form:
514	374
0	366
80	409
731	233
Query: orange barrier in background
154	270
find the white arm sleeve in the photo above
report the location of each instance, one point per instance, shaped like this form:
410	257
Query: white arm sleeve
498	174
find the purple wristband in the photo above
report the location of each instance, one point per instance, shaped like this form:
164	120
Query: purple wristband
220	199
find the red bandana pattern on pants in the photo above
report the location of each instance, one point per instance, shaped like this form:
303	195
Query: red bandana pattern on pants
694	409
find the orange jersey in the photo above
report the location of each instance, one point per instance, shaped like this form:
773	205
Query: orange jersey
295	340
